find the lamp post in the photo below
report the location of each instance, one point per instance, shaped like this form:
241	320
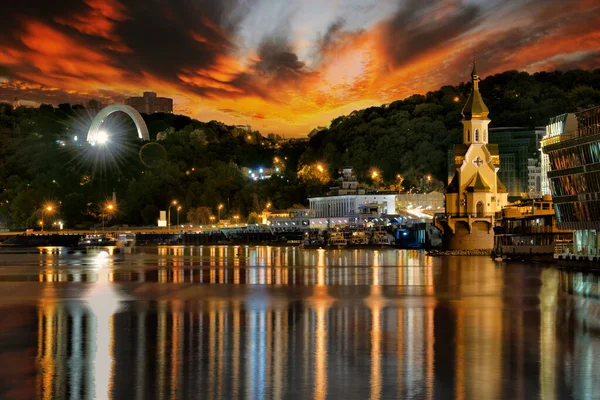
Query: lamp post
173	203
212	219
178	208
46	209
219	208
109	207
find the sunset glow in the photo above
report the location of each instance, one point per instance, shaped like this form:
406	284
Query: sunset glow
283	68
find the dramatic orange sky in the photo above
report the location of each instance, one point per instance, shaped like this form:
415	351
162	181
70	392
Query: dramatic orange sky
281	66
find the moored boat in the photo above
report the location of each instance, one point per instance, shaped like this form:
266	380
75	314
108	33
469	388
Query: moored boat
529	230
97	241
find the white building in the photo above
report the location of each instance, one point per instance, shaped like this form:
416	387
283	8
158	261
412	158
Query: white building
293	218
534	178
558	125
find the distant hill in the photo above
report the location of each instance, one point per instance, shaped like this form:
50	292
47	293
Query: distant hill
412	136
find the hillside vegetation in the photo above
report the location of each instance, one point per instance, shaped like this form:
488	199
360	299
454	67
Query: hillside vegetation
206	164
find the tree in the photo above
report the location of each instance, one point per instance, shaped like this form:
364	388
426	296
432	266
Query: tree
253	218
199	215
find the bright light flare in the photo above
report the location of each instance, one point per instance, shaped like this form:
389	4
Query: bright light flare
102	137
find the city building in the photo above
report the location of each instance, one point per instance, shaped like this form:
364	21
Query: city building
95	105
348	202
574	157
476	194
293	218
534	178
426	201
557	126
149	103
517	146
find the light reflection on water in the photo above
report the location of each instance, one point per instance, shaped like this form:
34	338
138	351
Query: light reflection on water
269	322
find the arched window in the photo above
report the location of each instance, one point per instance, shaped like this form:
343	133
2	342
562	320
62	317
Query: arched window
468	135
476	135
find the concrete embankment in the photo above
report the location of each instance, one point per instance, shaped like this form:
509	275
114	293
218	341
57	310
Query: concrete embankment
474	252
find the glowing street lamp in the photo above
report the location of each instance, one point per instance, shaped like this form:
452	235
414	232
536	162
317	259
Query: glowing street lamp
172	204
219	208
178	209
109	208
48	209
268	205
320	167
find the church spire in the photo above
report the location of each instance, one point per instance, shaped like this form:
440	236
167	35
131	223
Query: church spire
475	108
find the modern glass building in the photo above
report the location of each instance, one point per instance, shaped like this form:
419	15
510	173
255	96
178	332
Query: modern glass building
518	147
574	175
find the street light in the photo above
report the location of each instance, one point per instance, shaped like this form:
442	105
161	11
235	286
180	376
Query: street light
109	208
178	208
219	212
268	205
49	209
212	219
173	203
236	218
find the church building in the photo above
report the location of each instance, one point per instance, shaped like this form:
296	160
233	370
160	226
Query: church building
475	195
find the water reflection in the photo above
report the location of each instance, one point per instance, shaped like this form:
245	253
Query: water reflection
308	325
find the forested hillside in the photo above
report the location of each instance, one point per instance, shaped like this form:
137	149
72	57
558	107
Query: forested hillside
44	157
412	136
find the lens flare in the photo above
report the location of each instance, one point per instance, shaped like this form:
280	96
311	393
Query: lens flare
102	137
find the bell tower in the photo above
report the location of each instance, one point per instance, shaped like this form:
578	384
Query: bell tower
475	196
475	115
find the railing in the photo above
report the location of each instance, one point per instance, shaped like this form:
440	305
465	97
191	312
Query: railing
573	134
466	215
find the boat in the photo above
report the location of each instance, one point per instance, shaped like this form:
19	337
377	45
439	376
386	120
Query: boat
126	239
337	239
97	241
359	238
528	230
380	238
313	239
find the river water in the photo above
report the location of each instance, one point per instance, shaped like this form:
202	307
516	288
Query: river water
280	322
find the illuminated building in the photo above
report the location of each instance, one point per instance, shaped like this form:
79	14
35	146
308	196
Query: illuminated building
288	219
519	156
557	126
348	202
475	194
150	104
574	157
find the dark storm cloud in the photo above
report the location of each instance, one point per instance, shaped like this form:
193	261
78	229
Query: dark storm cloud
422	25
14	12
277	59
331	35
167	37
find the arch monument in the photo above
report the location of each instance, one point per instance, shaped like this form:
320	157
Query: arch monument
95	127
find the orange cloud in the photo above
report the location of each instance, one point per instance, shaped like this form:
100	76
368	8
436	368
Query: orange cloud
205	65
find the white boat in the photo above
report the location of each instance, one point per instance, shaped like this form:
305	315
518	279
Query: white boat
338	239
380	237
97	241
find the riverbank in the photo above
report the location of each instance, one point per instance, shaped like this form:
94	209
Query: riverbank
475	252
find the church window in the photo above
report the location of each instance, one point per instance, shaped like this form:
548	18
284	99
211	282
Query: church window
476	135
